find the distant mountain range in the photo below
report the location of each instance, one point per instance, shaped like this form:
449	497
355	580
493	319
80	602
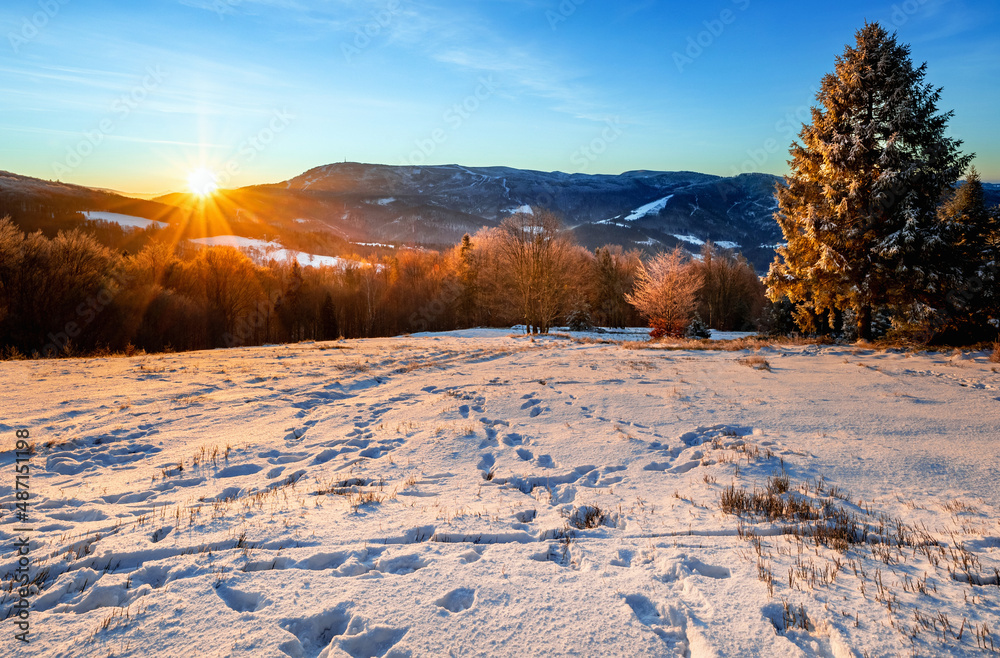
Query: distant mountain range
435	205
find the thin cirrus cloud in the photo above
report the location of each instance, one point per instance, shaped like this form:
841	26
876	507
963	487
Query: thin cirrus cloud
452	35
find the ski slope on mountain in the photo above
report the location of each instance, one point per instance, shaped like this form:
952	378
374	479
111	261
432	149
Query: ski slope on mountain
488	493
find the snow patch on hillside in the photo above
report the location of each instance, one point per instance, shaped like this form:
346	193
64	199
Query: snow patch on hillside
122	220
276	251
648	209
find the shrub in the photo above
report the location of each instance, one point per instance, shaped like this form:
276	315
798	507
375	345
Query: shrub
697	328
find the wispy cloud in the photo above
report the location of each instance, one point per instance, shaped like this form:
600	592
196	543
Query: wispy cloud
519	71
119	138
224	7
465	41
456	35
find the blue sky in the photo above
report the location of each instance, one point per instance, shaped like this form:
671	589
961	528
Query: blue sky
133	96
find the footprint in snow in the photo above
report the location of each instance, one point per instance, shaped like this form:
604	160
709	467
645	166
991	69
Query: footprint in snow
237	600
546	461
513	439
373	643
624	558
490	440
313	634
527	516
486	463
240	469
668	623
690	566
457	600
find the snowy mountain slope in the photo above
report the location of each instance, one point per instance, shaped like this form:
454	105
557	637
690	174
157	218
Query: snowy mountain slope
122	220
30	200
479	493
654	207
275	250
437	204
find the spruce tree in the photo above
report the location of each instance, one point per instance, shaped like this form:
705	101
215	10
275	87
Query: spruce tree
967	304
859	209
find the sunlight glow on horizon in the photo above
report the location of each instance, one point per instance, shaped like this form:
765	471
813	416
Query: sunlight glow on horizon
202	182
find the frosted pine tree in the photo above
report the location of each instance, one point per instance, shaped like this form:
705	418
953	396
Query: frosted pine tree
969	301
858	211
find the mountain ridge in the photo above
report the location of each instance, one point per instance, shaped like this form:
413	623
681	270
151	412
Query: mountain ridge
434	205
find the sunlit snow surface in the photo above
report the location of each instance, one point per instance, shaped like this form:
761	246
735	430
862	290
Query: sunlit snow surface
274	250
648	209
123	220
490	493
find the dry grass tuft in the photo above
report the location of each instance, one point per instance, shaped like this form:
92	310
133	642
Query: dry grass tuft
587	517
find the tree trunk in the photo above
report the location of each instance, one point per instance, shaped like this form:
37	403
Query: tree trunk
865	322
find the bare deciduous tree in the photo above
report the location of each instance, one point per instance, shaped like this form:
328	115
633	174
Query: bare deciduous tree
536	257
732	295
614	273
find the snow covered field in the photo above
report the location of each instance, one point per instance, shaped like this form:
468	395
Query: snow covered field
469	494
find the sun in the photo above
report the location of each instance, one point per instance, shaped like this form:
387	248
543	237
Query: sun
202	182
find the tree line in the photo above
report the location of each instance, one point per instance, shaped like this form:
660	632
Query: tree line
71	294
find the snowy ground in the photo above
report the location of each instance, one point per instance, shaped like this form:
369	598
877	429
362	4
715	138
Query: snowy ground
473	494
